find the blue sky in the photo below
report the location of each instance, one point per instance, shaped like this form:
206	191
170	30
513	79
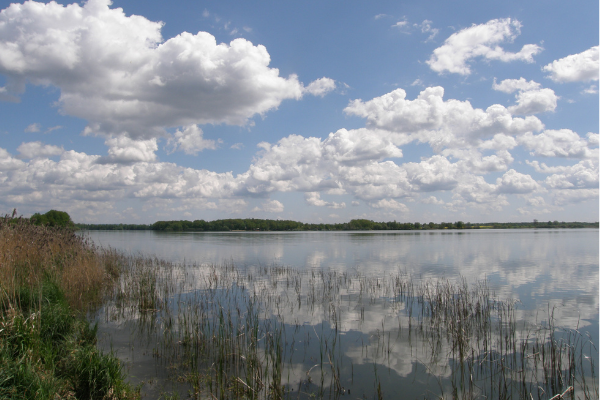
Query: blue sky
314	111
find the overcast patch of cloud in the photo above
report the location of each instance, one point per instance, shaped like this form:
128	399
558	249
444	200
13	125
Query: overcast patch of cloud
581	67
117	73
480	41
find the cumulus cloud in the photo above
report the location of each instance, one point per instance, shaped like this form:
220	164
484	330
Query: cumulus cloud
565	197
512	85
125	150
432	200
271	206
352	146
117	72
320	87
314	199
531	98
514	182
38	149
583	175
8	162
581	67
480	41
436	173
474	191
190	140
558	143
389	204
441	123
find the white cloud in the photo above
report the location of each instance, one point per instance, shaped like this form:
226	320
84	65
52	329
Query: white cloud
35	127
237	146
356	145
8	162
557	143
125	150
534	102
314	199
480	41
593	89
512	85
432	200
580	67
320	87
583	175
531	98
474	191
271	206
426	28
389	204
400	24
500	141
438	122
53	128
117	72
434	174
190	141
514	182
31	150
471	161
565	197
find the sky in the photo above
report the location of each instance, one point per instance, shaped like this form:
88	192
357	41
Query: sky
314	111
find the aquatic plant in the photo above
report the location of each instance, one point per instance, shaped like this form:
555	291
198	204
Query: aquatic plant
271	332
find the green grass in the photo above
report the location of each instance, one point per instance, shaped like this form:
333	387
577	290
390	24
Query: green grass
46	352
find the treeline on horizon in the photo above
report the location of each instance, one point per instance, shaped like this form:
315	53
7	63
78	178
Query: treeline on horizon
252	224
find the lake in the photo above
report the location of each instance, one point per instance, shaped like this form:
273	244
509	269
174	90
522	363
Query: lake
540	280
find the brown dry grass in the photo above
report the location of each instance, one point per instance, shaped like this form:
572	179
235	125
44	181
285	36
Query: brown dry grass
30	253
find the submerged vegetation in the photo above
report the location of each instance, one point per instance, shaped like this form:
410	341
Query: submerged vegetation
251	224
274	332
49	277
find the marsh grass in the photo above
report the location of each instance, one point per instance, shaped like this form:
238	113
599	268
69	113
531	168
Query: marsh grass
49	277
273	332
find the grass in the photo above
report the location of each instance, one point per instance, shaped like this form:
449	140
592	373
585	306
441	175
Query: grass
49	277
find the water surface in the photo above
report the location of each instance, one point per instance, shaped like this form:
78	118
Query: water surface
549	275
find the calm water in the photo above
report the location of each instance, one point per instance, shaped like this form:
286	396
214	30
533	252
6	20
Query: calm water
539	269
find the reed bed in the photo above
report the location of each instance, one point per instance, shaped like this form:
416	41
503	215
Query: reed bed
49	278
275	332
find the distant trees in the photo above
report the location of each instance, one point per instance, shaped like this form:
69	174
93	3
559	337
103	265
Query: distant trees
53	218
252	224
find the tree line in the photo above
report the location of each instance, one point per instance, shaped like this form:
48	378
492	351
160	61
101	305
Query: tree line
252	224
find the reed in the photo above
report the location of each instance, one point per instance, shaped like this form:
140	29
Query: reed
48	278
273	332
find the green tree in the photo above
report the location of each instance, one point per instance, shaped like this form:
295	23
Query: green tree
53	218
